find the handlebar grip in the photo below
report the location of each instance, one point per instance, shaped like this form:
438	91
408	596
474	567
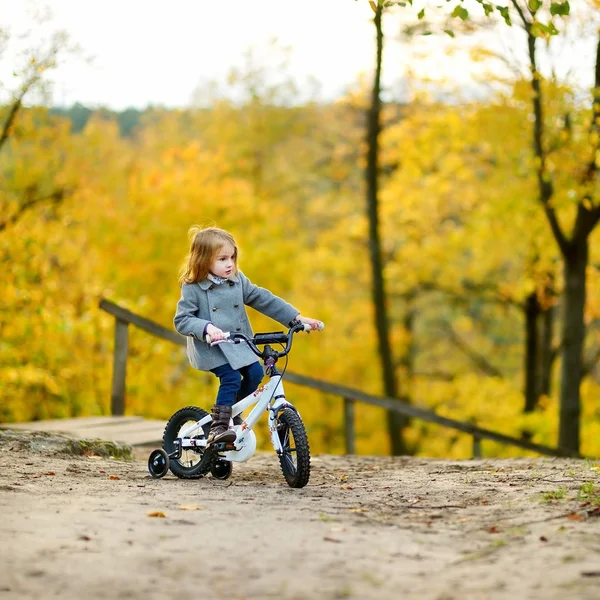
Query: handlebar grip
208	339
320	327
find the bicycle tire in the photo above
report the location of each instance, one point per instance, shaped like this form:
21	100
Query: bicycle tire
186	467
296	474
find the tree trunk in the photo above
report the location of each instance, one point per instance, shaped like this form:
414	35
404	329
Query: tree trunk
532	313
573	248
395	421
407	362
573	336
539	354
547	354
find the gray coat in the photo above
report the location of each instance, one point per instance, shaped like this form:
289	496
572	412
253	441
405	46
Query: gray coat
223	306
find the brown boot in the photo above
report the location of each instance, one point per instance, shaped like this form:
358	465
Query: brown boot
219	428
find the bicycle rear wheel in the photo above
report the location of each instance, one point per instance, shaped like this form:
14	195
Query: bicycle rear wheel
295	456
191	464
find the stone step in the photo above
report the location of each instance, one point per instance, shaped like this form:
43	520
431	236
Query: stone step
129	430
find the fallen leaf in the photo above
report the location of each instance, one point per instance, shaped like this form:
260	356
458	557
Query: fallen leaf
493	529
191	507
114	478
344	478
575	517
157	513
330	539
358	510
50	473
543	538
347	487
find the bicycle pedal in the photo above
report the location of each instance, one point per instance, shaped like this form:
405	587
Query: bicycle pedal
222	446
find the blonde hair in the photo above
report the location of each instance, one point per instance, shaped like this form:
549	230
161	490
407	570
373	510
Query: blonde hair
205	244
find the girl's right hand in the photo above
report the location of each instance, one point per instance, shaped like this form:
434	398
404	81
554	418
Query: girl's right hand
215	333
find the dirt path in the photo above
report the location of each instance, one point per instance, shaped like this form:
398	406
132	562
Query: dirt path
364	527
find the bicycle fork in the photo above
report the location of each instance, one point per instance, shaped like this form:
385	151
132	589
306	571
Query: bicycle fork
278	405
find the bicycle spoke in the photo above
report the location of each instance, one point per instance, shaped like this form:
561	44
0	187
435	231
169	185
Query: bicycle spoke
290	462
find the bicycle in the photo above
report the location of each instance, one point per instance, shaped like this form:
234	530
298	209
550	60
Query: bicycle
185	451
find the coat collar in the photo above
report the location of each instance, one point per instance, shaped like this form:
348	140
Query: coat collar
206	284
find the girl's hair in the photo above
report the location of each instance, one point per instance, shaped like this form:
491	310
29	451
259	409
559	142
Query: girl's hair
205	244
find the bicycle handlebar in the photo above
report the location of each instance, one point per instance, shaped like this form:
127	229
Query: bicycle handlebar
277	337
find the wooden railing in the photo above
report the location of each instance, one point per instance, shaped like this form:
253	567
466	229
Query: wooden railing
124	317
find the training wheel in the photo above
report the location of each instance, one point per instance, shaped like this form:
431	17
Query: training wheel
221	469
158	463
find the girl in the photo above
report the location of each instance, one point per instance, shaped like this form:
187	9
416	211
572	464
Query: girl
213	295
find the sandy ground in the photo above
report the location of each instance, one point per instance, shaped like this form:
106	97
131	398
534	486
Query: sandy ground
364	527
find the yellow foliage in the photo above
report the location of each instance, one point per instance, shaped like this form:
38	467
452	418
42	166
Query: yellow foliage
464	239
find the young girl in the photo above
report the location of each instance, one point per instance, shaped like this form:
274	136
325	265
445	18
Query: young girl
213	298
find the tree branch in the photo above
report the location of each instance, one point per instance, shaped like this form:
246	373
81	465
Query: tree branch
430	286
441	375
37	66
545	186
589	366
12	115
525	21
56	197
588	215
478	359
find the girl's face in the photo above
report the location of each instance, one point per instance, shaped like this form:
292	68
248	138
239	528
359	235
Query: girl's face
224	261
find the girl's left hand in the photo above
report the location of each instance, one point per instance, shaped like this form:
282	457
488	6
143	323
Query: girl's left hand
314	324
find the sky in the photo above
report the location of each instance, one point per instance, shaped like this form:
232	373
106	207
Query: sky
146	52
150	52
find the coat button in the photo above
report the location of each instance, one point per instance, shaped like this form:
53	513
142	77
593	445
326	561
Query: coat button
236	306
214	309
238	328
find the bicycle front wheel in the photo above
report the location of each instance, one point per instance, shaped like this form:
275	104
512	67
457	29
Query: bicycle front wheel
295	456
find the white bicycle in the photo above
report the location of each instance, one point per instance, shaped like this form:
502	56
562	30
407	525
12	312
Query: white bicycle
185	452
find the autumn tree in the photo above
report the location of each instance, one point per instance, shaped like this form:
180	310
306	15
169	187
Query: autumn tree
571	234
380	299
30	82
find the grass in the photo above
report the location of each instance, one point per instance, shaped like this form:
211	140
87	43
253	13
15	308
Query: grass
558	494
588	492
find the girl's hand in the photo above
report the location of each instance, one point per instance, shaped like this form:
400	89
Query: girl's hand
314	324
215	333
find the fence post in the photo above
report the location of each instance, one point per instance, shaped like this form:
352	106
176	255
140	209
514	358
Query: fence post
117	399
349	425
476	446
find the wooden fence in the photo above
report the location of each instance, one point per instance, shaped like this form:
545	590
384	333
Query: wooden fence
124	318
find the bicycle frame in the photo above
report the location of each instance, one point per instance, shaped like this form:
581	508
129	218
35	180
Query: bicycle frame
270	396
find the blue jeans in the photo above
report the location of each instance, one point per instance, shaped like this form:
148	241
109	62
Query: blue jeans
237	384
